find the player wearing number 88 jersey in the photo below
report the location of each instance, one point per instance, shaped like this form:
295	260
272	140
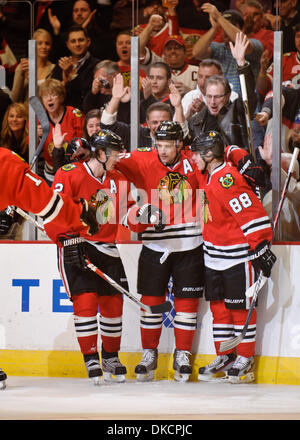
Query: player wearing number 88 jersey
235	228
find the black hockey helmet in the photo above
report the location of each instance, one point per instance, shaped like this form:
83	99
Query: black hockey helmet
169	131
106	140
77	149
209	141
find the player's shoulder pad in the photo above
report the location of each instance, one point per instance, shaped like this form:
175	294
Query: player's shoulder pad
68	167
77	112
144	149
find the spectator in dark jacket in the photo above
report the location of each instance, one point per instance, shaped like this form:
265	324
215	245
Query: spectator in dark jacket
100	93
220	114
77	70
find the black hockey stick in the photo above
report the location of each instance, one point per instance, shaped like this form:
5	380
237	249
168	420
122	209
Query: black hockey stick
159	308
248	123
233	342
41	115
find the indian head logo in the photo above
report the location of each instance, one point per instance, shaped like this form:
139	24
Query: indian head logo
204	208
173	188
103	204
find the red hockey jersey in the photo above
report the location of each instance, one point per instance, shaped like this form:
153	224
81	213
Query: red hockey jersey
108	195
20	187
71	123
290	69
234	221
173	189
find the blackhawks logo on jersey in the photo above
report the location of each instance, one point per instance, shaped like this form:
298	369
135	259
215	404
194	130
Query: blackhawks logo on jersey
173	188
68	167
103	205
77	112
204	208
226	181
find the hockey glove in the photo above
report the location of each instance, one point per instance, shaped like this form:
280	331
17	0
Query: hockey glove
88	217
264	259
6	222
149	214
253	173
74	250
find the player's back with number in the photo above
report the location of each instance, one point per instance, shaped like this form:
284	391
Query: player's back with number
234	218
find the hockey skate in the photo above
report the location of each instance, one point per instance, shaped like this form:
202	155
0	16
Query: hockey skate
113	370
145	369
3	378
181	365
212	372
240	371
93	367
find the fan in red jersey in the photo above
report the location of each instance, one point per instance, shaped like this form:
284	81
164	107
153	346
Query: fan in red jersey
236	234
70	119
107	191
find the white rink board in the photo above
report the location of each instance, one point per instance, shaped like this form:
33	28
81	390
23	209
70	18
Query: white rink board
36	315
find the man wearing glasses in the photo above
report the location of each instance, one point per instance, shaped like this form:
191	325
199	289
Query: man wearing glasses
220	113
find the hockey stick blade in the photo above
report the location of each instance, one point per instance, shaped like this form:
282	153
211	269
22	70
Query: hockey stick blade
41	115
233	342
159	308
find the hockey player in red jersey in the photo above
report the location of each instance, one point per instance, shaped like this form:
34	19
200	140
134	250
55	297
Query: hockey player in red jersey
173	247
106	190
21	187
236	233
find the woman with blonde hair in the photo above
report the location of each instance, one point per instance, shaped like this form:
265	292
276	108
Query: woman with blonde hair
14	136
44	66
14	132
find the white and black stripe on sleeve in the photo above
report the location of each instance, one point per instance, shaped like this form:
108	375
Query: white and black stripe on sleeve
256	225
52	208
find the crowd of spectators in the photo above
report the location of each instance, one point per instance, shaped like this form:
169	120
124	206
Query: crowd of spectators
186	60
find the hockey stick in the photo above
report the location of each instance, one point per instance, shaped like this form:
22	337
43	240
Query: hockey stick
41	115
250	291
233	342
248	123
29	218
286	184
159	308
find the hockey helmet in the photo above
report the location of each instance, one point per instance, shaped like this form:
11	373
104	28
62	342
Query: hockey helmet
106	140
77	149
209	141
169	131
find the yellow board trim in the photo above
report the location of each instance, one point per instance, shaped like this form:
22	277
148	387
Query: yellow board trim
269	370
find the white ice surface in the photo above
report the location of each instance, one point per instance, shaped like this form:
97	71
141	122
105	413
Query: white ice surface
43	398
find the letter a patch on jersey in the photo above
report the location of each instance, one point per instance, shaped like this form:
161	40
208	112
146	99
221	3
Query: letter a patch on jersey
226	181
